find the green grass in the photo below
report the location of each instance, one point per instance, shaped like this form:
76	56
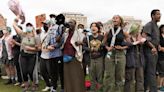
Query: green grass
12	88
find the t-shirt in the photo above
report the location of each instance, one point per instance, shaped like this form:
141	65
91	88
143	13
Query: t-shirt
94	43
43	37
29	41
16	48
152	30
160	53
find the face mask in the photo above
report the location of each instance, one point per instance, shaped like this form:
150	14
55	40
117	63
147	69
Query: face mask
52	20
45	28
29	29
80	30
4	31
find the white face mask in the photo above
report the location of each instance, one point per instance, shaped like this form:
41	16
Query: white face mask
52	20
80	30
29	29
4	31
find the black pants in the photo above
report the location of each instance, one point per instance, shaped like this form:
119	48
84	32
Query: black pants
27	65
45	71
56	70
150	72
16	62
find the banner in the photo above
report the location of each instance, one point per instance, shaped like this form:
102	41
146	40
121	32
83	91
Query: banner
16	8
39	19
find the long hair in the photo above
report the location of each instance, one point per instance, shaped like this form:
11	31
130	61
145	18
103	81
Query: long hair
122	21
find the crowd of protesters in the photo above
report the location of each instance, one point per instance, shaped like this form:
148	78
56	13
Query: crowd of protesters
119	60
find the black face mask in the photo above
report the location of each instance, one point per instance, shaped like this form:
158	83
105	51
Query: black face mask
45	28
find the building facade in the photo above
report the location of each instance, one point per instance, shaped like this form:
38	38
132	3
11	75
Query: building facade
80	18
127	20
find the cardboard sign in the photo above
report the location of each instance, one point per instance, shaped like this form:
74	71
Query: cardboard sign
2	22
16	8
39	19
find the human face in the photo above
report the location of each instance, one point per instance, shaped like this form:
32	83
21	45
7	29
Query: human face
29	28
94	28
162	30
157	16
72	24
116	20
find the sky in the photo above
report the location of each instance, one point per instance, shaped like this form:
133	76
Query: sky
95	10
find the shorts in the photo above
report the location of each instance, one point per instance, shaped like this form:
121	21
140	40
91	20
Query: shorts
8	62
160	68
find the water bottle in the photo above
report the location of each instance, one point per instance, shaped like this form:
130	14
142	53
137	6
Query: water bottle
87	70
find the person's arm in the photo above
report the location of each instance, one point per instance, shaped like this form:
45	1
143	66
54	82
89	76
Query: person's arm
15	26
161	48
104	42
146	34
58	45
16	43
86	45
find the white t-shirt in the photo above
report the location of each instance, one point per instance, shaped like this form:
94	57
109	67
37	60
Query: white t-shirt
44	54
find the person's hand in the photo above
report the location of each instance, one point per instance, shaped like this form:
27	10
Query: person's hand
78	43
27	48
160	48
16	20
136	42
143	40
118	47
154	51
51	47
109	48
13	41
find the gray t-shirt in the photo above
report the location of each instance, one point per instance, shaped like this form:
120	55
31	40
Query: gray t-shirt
152	30
29	41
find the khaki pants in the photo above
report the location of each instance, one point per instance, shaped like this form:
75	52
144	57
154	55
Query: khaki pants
96	72
74	77
114	77
134	80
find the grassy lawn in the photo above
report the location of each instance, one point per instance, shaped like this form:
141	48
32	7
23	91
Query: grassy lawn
12	88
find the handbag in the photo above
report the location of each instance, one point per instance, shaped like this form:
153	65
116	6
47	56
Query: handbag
67	58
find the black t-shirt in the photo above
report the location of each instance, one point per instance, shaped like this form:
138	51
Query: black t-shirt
119	38
96	43
16	48
161	54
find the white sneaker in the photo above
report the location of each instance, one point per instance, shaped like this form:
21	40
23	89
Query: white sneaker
5	77
46	89
52	90
17	84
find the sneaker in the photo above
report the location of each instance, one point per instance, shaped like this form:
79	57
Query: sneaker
17	84
5	77
22	85
52	90
8	82
13	81
46	89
